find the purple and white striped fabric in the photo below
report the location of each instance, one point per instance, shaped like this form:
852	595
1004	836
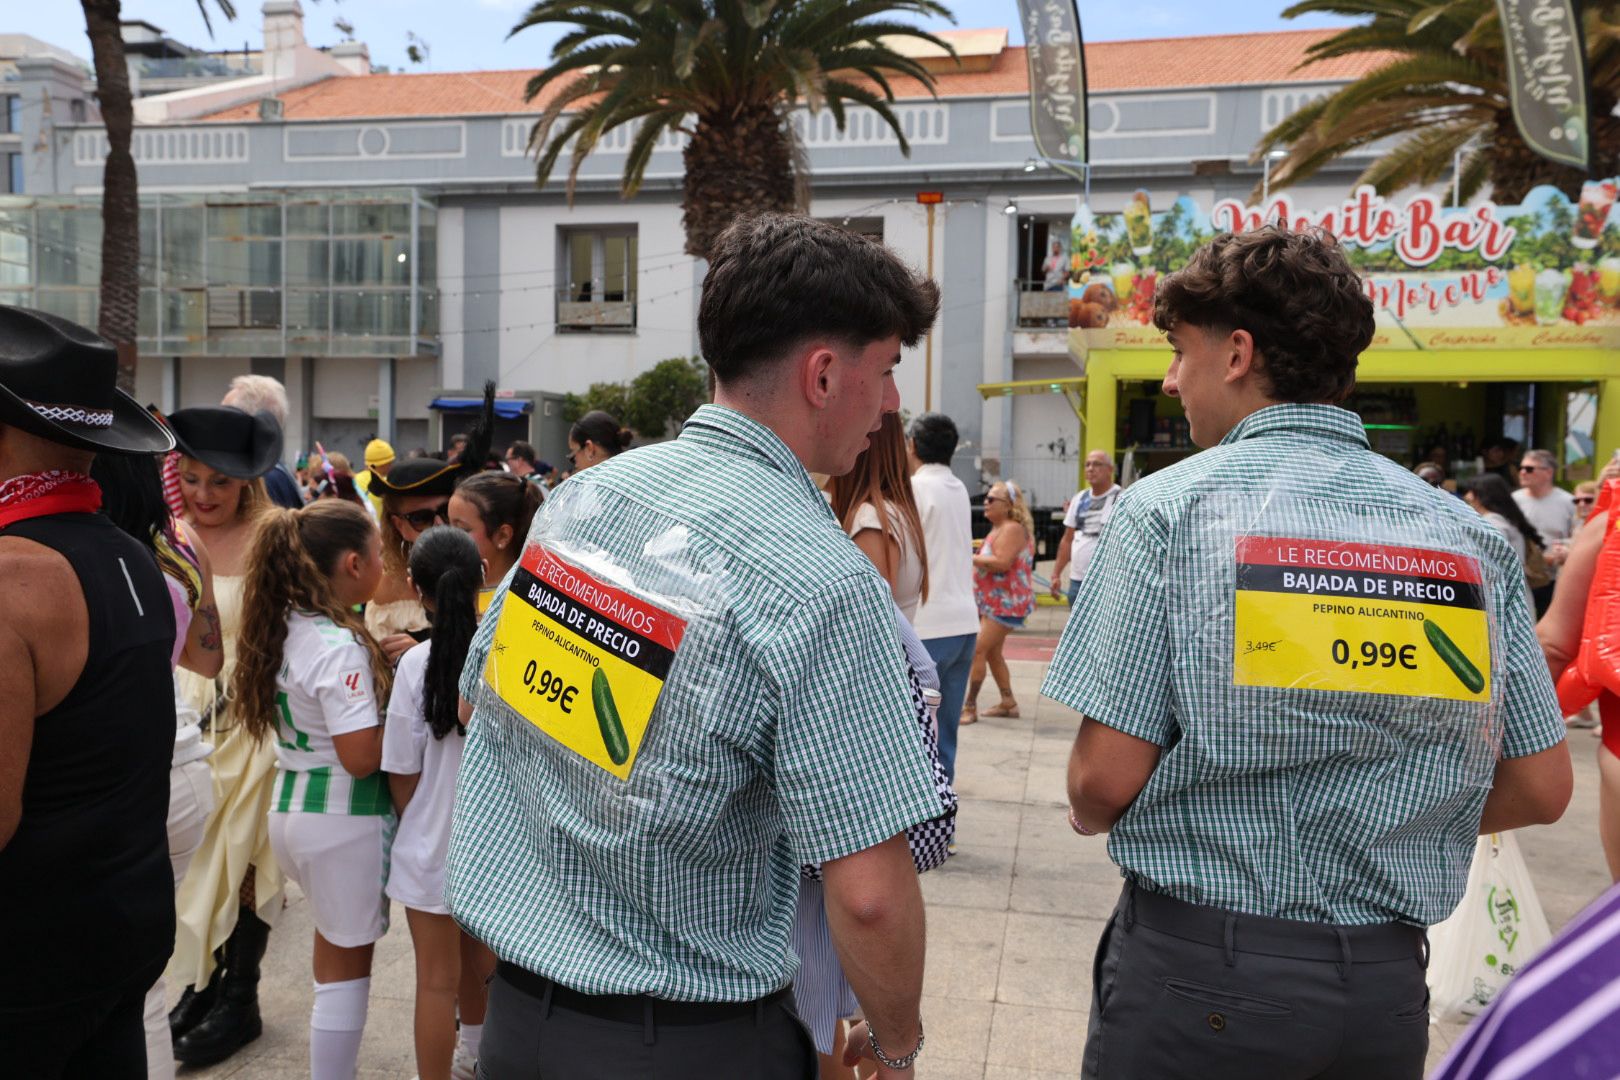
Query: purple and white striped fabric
1559	1016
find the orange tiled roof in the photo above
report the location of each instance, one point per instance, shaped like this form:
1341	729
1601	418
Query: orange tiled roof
1153	64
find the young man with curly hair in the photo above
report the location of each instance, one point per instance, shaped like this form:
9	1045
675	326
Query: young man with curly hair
1289	815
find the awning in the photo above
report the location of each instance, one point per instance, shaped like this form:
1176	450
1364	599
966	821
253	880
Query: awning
505	408
1073	389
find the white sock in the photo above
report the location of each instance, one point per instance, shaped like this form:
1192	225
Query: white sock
471	1036
335	1025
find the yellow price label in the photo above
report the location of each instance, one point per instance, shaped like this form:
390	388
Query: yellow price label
1362	618
582	660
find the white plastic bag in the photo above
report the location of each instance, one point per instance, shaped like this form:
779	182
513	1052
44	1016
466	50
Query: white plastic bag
1496	929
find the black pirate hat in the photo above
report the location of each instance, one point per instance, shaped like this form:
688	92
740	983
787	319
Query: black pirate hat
418	476
228	440
59	381
431	476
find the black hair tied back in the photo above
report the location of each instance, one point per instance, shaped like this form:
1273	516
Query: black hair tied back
446	566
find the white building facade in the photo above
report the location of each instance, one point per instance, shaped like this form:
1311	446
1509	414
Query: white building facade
378	241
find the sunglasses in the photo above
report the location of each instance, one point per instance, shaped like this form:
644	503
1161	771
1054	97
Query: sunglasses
1530	468
1585	500
425	517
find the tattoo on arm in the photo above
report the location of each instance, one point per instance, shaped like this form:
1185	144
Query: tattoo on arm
210	639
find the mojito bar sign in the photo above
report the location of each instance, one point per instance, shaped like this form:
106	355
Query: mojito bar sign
1057	81
1547	77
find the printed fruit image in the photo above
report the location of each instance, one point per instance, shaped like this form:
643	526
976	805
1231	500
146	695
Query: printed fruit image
1581	303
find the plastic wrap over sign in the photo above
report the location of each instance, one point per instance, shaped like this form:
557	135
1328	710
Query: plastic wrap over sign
580	659
589	635
1317	629
1360	618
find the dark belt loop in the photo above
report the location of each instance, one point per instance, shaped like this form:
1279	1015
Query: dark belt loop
1344	947
1423	951
1130	905
1231	927
545	1000
647	1034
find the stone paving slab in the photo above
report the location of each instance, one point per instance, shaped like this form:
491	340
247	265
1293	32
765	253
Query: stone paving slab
1013	918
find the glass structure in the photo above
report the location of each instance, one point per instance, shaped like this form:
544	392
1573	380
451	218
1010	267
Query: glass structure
265	273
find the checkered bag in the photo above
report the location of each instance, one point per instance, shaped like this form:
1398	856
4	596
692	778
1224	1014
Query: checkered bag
929	840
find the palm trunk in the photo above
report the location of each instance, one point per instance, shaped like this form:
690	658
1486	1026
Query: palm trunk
1515	168
120	202
735	164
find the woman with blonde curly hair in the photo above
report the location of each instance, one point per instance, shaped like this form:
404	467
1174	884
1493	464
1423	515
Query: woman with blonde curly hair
231	892
1003	585
309	674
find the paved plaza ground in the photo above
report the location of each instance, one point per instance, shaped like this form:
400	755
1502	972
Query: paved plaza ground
1013	919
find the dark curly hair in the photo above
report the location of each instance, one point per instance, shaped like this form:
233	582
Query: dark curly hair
1294	292
776	280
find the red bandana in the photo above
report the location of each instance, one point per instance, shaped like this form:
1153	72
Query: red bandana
43	494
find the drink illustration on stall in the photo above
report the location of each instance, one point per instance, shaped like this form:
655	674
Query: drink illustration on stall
1592	213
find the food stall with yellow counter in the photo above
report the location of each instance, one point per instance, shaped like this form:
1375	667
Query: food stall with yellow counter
1498	328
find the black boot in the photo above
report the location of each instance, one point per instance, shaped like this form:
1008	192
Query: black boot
234	1021
194	1004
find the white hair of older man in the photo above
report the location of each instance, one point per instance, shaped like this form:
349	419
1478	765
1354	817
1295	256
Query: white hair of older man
255	393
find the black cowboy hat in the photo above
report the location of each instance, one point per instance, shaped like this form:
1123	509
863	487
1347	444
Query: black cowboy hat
228	440
59	381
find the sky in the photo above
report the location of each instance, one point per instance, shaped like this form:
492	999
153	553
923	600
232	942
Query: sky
468	35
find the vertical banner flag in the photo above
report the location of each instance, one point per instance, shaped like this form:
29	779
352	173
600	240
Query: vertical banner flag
1546	58
1057	82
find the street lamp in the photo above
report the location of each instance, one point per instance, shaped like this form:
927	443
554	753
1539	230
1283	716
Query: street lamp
1031	164
1265	178
1010	209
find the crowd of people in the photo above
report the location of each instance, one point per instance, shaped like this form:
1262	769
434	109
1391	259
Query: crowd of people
652	757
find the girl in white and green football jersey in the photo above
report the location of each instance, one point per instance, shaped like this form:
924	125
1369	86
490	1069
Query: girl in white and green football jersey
309	675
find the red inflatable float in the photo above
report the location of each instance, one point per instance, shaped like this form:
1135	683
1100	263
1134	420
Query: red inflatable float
1594	675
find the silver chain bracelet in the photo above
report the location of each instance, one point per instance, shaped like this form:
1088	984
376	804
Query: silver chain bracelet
900	1063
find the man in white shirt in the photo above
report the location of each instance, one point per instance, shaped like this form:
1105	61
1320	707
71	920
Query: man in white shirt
1550	509
948	621
1083	522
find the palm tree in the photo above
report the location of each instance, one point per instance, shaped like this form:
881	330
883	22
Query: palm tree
1443	89
726	73
120	198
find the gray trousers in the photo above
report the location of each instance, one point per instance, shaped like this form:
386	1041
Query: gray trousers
1180	990
535	1031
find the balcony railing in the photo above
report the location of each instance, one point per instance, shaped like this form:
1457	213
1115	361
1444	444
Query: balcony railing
577	310
1039	309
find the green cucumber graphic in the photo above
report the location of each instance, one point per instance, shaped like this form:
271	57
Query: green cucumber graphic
1459	664
607	718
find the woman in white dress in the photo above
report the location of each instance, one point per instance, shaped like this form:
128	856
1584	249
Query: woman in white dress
231	893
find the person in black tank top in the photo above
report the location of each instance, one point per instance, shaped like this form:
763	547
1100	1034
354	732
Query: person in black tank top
86	717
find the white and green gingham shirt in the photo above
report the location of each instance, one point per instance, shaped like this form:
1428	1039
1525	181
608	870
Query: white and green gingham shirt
1306	804
785	734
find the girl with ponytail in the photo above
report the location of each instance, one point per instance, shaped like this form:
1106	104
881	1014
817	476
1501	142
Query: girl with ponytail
496	510
309	674
422	753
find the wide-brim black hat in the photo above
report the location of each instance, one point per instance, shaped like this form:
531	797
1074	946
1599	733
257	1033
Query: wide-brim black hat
228	440
418	476
59	381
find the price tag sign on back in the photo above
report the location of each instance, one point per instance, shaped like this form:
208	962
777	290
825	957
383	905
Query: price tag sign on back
1363	618
582	660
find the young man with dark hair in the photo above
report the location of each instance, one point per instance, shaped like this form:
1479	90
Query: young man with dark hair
638	882
1307	681
948	621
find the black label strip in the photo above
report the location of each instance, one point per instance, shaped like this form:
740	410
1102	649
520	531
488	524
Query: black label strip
1399	588
591	626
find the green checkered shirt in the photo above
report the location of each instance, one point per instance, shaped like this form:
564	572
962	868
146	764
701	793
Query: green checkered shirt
1317	805
784	734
